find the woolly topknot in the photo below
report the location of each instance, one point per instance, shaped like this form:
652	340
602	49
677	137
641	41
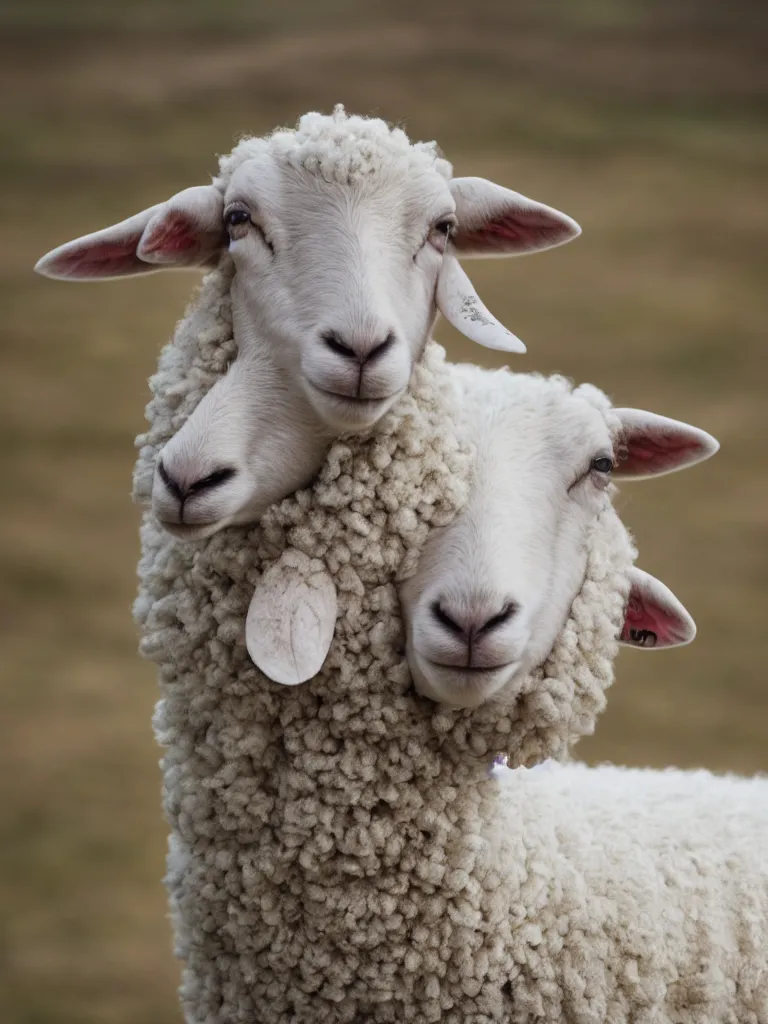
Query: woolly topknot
339	147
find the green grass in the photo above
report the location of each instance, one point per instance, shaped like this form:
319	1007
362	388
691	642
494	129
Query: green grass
644	121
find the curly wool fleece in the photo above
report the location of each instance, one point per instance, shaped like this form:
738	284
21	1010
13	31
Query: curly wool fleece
329	858
339	147
636	895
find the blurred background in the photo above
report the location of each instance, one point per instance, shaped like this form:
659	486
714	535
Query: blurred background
643	119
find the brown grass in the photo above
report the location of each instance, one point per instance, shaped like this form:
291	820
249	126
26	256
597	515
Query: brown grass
640	119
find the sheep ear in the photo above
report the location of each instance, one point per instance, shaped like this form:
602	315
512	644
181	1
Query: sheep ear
185	231
291	619
460	304
651	445
654	617
494	221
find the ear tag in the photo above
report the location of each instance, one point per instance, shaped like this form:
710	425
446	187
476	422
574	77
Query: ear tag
291	619
461	306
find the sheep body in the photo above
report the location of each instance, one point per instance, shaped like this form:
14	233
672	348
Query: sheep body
339	851
329	858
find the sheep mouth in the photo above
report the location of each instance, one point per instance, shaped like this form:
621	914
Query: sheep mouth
361	404
472	670
191	531
461	686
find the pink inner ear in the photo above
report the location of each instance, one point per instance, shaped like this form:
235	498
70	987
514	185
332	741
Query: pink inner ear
518	231
101	259
650	625
173	235
646	453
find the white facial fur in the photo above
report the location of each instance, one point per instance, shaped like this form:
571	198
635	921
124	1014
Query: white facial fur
316	260
251	440
493	589
346	292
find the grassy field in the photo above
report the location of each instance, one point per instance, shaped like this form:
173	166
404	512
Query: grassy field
645	121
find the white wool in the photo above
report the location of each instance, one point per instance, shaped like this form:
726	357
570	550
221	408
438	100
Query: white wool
328	841
340	851
339	147
627	895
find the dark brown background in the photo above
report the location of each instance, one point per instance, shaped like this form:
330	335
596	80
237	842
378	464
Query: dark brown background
644	120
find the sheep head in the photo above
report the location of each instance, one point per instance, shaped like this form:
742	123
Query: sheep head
341	240
539	544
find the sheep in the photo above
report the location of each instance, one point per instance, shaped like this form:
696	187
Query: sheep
493	589
334	245
519	605
601	894
339	850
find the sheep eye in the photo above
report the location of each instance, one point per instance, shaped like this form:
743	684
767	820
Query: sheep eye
235	217
238	222
441	231
603	464
599	473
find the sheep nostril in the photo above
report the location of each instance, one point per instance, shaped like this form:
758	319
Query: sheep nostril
175	489
334	342
207	483
182	491
379	350
445	620
508	612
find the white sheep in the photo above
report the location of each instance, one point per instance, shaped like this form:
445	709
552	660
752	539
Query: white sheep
601	894
333	255
339	851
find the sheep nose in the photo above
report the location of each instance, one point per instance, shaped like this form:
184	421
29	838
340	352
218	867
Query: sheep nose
184	489
357	349
471	628
476	622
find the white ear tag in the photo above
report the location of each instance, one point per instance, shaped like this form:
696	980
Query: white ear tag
291	619
460	304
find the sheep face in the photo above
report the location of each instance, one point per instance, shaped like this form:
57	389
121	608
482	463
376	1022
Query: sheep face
340	277
250	441
494	589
